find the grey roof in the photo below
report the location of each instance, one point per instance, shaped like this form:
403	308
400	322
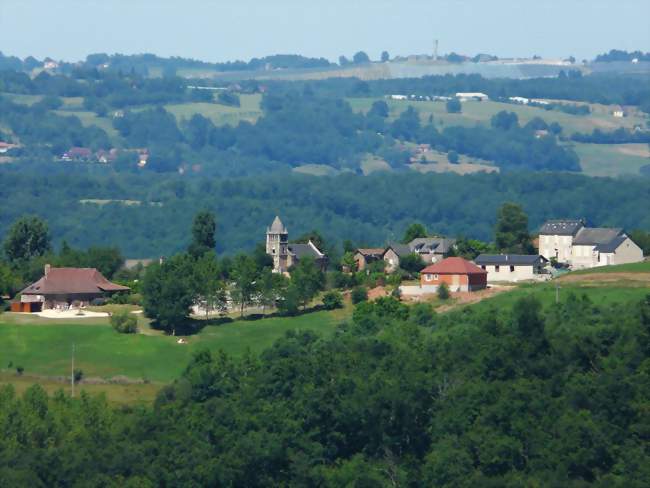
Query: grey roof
510	259
561	227
439	245
595	236
277	227
400	249
303	250
612	245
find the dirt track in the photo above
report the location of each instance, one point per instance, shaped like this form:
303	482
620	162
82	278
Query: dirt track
633	278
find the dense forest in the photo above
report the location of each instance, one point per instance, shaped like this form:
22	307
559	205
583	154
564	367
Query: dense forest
148	215
399	396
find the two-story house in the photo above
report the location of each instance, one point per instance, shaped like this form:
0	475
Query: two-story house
570	242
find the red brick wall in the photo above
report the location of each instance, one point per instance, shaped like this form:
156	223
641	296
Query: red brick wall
474	281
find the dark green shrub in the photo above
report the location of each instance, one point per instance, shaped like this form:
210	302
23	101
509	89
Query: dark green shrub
332	300
124	322
359	294
443	292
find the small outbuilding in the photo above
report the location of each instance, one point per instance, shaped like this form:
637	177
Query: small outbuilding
458	273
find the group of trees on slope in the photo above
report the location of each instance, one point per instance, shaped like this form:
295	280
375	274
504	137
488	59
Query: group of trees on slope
495	397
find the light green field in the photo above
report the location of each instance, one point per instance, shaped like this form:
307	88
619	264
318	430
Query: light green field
90	118
612	159
481	112
43	346
249	110
643	267
315	170
618	292
372	163
23	99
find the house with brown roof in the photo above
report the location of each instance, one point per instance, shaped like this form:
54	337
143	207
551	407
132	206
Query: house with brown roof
66	287
458	273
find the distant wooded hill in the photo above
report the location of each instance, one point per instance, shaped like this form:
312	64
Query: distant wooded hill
150	215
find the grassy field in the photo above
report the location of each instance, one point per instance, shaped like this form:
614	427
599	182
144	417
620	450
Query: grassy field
220	114
643	267
316	170
612	159
481	112
43	346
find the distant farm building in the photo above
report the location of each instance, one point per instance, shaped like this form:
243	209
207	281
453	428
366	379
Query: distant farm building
477	96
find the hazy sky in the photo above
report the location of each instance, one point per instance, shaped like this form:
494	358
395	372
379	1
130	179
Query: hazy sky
215	30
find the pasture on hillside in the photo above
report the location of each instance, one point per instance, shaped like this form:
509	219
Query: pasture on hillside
474	112
612	159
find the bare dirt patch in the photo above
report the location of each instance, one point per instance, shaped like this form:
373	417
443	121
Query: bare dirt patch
467	298
605	278
639	150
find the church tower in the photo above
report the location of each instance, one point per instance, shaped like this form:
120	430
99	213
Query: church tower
277	242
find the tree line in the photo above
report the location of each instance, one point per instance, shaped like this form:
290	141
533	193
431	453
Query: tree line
93	207
399	396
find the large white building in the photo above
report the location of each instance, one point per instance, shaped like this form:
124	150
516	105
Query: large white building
570	242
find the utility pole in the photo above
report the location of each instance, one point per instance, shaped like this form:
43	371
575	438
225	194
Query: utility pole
72	372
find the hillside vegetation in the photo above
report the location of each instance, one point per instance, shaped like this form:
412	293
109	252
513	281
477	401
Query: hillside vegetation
367	210
523	394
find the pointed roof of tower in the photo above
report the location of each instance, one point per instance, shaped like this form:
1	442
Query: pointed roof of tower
277	227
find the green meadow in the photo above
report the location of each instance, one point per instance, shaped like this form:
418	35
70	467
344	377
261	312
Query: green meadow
43	346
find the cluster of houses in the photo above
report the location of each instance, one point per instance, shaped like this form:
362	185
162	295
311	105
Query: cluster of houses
462	96
567	243
86	155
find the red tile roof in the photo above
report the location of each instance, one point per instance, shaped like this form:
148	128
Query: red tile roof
453	266
63	281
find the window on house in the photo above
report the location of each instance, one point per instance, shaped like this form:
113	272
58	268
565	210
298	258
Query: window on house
483	266
435	276
428	277
496	268
512	269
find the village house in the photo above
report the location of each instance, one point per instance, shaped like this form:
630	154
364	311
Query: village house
62	288
513	267
392	255
432	249
6	146
571	243
77	154
365	256
457	273
285	254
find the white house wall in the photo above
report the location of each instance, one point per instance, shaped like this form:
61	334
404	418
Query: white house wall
628	252
559	247
519	273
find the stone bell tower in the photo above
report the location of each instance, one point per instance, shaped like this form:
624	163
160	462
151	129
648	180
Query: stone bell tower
277	242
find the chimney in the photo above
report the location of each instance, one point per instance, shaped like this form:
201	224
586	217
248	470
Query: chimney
47	269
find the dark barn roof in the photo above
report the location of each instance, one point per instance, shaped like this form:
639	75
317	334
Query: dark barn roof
561	227
509	259
596	236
